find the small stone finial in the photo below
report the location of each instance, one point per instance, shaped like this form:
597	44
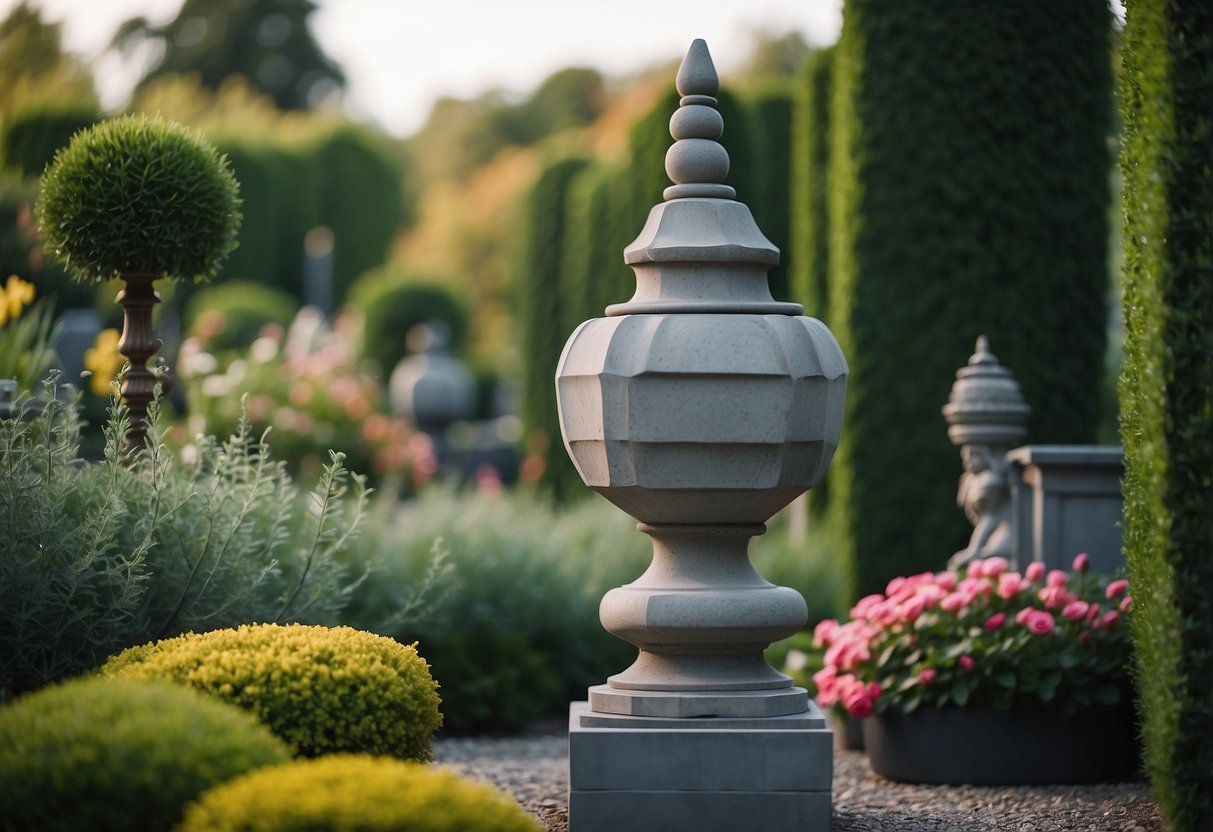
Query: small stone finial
986	405
697	163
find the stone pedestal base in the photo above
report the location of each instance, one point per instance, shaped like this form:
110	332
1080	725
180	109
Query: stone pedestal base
699	775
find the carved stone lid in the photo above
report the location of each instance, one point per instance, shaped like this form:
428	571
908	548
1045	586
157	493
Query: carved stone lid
700	250
986	406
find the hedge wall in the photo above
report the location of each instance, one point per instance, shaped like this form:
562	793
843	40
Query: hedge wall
969	184
31	134
772	113
540	309
1166	393
810	254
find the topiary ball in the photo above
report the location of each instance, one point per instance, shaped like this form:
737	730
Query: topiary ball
346	791
139	195
322	689
120	754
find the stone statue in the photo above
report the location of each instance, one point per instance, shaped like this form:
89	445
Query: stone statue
986	417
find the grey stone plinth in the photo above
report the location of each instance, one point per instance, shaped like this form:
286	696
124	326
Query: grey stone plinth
1067	499
608	699
744	775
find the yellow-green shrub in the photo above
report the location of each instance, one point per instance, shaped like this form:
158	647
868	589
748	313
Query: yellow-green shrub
347	791
322	689
120	754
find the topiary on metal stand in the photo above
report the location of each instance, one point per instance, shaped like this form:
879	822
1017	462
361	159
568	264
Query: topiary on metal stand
139	199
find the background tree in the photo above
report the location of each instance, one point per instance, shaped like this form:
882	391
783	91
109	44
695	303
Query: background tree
31	54
266	41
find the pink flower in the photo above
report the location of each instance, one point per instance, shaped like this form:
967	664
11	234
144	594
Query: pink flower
1110	619
993	567
826	681
857	703
1126	603
931	594
1039	622
1082	563
995	621
1075	610
912	609
824	632
1010	585
1117	588
864	605
1093	612
1056	577
894	586
1021	617
1035	571
1055	597
874	690
965	662
927	675
946	581
952	603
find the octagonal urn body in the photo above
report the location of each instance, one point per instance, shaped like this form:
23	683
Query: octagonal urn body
701	418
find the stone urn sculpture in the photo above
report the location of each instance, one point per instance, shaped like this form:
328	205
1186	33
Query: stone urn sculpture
700	406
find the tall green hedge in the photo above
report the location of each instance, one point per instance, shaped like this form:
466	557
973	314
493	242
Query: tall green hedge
1166	393
772	113
810	233
540	308
30	135
969	182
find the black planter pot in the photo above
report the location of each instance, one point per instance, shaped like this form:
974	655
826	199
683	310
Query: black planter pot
990	748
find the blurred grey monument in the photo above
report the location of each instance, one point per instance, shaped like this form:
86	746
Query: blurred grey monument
986	416
1036	502
318	269
78	331
701	407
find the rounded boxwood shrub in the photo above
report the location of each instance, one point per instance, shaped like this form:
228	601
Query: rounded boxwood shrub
139	195
242	308
391	303
120	754
346	791
322	689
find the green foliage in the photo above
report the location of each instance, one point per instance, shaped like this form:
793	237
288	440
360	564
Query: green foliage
512	629
25	335
541	309
32	134
391	302
231	315
347	792
268	42
121	755
771	111
21	246
1165	394
359	193
279	202
322	690
103	556
810	255
969	187
33	63
137	195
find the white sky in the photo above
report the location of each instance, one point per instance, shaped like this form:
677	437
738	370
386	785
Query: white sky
401	55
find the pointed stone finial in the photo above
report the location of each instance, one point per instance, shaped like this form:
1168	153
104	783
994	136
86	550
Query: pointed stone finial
986	405
697	163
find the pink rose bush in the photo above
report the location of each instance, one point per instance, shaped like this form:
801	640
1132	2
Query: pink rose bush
985	636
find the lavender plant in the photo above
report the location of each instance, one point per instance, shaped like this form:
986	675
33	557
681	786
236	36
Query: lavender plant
99	557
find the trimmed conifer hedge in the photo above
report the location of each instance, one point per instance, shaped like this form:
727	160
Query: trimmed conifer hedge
1166	393
969	186
540	309
810	253
772	112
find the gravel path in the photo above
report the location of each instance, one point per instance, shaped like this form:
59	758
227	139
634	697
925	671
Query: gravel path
534	767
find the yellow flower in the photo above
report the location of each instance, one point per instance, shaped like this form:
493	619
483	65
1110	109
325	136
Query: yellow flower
103	361
15	296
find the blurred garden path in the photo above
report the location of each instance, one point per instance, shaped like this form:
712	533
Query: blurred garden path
534	768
